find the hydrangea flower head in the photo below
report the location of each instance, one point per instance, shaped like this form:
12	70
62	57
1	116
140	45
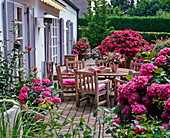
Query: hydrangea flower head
25	89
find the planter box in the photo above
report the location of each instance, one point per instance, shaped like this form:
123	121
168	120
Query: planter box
73	57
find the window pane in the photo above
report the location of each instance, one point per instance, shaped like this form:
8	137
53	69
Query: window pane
19	13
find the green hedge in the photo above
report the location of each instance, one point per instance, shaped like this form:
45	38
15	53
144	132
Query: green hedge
151	37
144	24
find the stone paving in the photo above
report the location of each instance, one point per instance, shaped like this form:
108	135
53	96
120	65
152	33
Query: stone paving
69	110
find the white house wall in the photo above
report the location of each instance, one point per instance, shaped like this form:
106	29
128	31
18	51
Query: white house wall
1	21
70	14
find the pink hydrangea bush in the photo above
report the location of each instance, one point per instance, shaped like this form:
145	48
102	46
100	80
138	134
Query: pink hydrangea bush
126	42
38	95
148	93
81	48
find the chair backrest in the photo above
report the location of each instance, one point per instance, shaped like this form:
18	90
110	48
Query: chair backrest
101	62
71	65
134	73
59	76
135	66
86	81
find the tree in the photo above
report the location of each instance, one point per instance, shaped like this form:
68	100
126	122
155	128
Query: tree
97	21
148	8
123	4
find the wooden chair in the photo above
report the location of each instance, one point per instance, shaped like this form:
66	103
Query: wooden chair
71	65
101	62
135	66
66	83
87	83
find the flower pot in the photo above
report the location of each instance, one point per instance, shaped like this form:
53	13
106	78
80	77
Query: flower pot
114	67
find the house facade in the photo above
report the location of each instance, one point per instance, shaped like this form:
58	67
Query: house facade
48	26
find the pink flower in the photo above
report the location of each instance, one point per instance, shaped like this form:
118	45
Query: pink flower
21	101
46	93
164	52
167	104
148	101
166	116
22	96
49	99
126	110
160	60
166	126
35	69
140	82
56	99
36	81
41	100
24	106
147	68
138	109
133	98
152	90
117	120
46	81
29	48
38	88
25	89
38	117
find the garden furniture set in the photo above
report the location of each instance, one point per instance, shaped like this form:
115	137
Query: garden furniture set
81	82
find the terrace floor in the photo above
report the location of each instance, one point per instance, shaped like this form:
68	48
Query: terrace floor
69	110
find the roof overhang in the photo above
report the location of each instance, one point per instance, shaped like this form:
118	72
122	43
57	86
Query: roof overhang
56	4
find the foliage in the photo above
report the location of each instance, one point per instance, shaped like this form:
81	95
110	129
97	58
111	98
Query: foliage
115	11
123	4
126	42
144	24
162	44
95	54
152	37
97	21
162	13
81	48
148	8
113	58
148	92
120	127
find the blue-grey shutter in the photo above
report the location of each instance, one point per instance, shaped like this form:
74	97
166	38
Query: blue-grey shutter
68	36
8	17
31	36
61	41
71	35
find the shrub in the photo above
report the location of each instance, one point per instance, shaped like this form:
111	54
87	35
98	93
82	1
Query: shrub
126	42
148	92
144	24
162	44
81	48
95	53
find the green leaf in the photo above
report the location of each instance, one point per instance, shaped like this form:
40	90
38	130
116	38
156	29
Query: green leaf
158	70
129	77
55	85
82	120
106	110
95	113
85	133
153	53
118	108
68	135
66	122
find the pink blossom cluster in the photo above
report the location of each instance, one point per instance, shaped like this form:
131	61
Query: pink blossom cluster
36	81
46	81
160	60
147	68
138	109
81	48
160	90
45	95
126	42
167	104
139	60
23	94
164	52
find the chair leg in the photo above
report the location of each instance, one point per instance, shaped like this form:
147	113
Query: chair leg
97	101
77	100
88	99
107	98
62	96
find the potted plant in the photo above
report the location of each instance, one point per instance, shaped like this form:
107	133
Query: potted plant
113	59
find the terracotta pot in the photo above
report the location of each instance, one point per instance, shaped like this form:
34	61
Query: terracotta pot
114	67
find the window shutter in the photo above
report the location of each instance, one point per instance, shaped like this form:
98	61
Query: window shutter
71	35
61	41
31	36
68	37
8	17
